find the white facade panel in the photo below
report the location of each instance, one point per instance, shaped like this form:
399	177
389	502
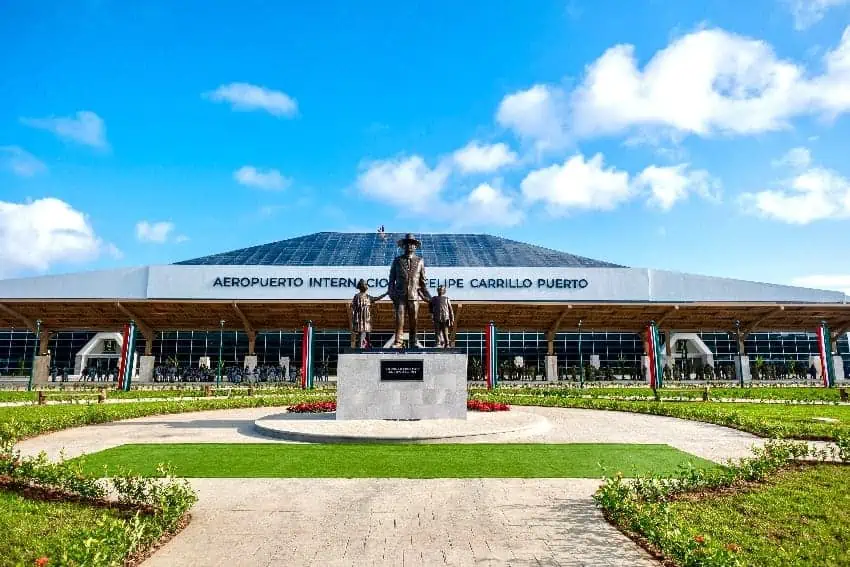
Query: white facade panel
130	283
677	287
464	284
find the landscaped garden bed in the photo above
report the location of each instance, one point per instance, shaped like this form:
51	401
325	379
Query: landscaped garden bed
52	513
770	509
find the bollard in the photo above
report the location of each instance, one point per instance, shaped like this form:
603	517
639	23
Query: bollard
207	391
101	397
705	395
842	393
103	393
250	390
42	399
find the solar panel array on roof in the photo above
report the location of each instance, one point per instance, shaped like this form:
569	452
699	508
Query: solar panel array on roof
374	249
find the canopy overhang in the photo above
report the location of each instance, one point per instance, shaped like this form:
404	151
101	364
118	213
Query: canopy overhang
107	315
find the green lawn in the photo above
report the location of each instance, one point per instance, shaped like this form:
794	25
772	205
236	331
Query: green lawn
272	460
30	529
801	517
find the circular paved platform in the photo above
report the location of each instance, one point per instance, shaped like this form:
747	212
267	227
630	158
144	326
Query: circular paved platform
324	428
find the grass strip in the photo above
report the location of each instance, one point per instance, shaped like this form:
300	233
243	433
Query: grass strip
766	420
272	460
797	518
19	422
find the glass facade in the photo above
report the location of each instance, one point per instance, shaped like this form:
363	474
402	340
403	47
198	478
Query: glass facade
620	352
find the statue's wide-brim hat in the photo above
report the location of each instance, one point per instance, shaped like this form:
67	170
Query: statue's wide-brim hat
409	238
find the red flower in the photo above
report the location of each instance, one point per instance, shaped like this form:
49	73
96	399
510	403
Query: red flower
699	539
313	407
480	405
734	548
41	562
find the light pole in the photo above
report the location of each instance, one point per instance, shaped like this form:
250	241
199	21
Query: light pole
35	353
220	347
580	358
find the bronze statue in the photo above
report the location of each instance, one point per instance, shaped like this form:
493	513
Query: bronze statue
443	315
406	285
361	314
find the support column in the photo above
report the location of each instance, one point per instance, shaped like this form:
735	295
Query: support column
551	368
146	364
742	361
252	344
838	362
41	362
669	361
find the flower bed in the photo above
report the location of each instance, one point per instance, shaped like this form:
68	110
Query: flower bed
482	405
312	407
325	407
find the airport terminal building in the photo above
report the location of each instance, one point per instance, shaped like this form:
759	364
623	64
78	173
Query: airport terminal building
555	312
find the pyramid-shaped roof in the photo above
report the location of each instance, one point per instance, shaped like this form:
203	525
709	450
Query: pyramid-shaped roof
375	249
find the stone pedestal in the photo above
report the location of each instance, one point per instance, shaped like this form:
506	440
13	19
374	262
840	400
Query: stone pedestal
146	364
250	362
551	368
41	373
742	369
594	361
838	363
440	394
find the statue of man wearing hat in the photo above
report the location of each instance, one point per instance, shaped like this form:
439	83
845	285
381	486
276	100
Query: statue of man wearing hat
361	313
406	285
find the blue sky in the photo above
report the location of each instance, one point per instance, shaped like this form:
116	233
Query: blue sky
706	137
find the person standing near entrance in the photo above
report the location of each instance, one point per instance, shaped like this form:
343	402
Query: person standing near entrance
406	285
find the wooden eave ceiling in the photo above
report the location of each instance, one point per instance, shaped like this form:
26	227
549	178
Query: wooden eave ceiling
289	315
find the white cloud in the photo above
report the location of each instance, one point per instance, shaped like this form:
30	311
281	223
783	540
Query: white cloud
814	194
668	185
808	12
244	96
21	162
269	179
478	158
832	282
577	184
403	181
587	184
157	232
487	206
705	83
37	235
796	158
84	127
537	114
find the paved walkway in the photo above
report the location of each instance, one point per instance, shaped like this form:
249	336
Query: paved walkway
398	522
247	522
